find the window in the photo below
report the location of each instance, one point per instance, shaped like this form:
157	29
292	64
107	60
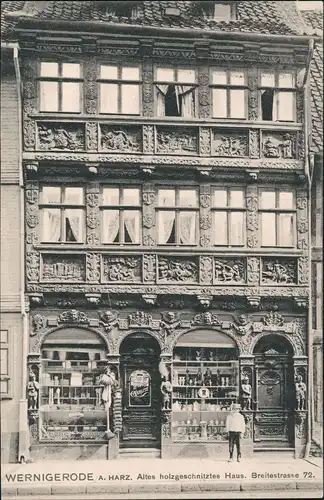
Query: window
119	89
4	363
278	96
277	218
62	214
229	216
228	93
121	215
60	87
224	11
177	216
175	92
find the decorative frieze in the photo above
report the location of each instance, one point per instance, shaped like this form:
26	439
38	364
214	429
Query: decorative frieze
279	271
229	271
279	145
120	138
177	269
232	144
62	268
176	140
61	137
122	269
73	316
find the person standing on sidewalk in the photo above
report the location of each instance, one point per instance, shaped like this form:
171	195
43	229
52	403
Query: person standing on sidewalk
235	427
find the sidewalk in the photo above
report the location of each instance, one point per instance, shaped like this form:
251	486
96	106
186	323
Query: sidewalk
156	476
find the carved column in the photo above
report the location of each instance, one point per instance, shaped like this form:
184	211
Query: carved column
301	404
147	78
203	91
90	86
300	105
302	220
29	74
253	94
204	141
33	401
252	216
93	214
205	218
247	370
149	222
32	215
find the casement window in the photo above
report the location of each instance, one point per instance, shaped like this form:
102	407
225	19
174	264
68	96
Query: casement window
60	86
277	213
228	209
228	93
120	88
121	215
278	96
62	214
175	92
177	213
4	364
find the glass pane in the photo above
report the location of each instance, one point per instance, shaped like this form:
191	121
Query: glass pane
237	228
186	76
268	230
71	97
220	198
237	198
237	103
131	226
71	70
130	73
267	80
73	221
222	12
166	197
219	77
286	80
165	75
110	227
131	196
51	230
187	228
51	194
268	199
237	78
130	99
4	361
49	69
4	337
166	227
109	72
220	103
108	98
4	386
187	198
286	230
286	199
48	96
73	195
286	106
111	196
220	228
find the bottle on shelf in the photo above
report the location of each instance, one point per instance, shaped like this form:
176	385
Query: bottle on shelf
200	378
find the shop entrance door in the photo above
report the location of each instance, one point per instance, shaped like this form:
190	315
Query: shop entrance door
140	377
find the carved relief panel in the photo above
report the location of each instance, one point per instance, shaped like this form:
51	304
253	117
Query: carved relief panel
176	140
252	217
302	220
90	85
177	270
60	136
147	86
280	271
231	144
253	94
92	213
32	215
148	215
122	269
29	74
205	219
254	143
204	141
117	138
148	139
279	145
229	271
62	268
203	92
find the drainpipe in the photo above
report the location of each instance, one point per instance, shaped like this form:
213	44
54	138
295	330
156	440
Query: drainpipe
307	133
24	444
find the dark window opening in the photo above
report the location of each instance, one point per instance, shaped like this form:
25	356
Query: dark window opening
173	105
172	237
267	98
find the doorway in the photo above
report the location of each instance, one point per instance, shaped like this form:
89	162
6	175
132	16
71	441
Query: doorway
140	379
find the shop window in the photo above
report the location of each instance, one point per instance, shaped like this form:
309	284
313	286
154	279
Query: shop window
278	95
121	215
175	92
177	213
70	403
60	87
62	211
205	380
277	212
4	364
228	208
120	89
228	93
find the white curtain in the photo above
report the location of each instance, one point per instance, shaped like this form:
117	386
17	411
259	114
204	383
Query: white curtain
160	99
167	220
186	94
187	228
51	225
131	225
111	225
73	225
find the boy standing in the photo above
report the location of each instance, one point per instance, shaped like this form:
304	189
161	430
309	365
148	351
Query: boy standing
235	426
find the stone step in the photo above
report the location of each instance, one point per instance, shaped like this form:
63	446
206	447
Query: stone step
140	453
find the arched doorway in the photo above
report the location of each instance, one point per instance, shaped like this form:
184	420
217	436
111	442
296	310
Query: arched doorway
274	401
140	382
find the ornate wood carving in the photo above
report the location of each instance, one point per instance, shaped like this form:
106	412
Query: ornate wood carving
148	87
302	220
205	216
148	214
148	139
122	269
230	144
120	138
278	271
303	270
204	141
177	269
206	269
92	213
252	217
29	73
93	267
229	271
176	140
279	145
61	136
253	94
90	85
203	92
149	268
253	270
32	215
254	143
91	136
32	266
62	268
300	105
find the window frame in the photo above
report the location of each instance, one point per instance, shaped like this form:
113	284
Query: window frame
229	209
233	11
175	82
62	206
120	82
60	79
228	87
121	209
6	346
177	209
277	90
278	211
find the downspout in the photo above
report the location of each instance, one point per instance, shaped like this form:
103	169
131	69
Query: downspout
307	133
23	445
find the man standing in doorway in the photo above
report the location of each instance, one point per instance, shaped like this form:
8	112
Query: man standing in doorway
235	426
